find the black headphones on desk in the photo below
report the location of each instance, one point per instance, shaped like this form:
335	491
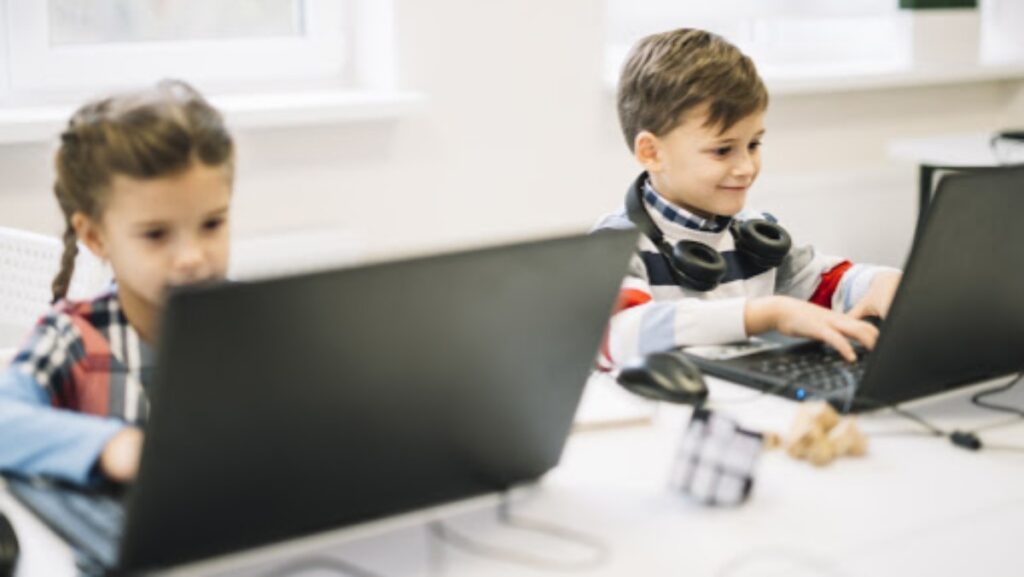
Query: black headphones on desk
699	267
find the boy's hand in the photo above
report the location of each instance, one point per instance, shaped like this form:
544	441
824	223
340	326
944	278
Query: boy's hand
878	299
798	318
119	460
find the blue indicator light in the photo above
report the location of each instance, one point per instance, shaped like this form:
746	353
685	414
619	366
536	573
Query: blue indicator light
800	394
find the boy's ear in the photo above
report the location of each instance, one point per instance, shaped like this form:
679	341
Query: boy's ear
647	150
90	234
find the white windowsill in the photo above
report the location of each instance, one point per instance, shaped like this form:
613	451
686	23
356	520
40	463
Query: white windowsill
41	123
853	77
839	78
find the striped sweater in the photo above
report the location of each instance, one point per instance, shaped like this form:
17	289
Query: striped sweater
655	314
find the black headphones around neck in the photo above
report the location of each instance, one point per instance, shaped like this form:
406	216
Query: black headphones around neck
699	267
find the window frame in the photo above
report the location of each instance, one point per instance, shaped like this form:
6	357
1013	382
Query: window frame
32	65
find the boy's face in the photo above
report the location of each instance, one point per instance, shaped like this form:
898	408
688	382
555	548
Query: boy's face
701	169
161	232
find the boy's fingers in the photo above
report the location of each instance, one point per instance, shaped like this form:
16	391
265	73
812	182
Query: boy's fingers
858	311
837	341
865	308
865	333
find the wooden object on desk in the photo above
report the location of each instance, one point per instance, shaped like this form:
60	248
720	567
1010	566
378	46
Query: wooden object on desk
847	438
819	435
813	421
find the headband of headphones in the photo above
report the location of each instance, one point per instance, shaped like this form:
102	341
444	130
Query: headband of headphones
696	265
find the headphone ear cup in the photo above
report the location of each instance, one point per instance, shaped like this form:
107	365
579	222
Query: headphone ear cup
701	266
763	242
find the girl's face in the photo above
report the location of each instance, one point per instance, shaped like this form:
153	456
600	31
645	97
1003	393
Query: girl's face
162	232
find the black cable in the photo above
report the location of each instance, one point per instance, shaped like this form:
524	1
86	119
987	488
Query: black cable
338	566
932	429
977	398
968	439
963	439
445	534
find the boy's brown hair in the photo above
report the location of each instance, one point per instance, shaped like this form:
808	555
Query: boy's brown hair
670	73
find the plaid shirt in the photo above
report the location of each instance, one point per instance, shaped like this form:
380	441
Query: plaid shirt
88	358
673	213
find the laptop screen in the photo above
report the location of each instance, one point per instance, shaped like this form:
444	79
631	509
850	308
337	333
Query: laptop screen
296	405
958	316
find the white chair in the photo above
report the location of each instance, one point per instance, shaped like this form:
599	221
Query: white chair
28	263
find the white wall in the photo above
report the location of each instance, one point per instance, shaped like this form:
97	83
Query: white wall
519	138
827	173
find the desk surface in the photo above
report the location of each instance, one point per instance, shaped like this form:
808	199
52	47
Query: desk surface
915	505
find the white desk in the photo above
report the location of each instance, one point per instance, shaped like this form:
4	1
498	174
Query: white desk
915	505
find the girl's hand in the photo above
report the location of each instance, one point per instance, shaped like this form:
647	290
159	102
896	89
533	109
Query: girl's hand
119	460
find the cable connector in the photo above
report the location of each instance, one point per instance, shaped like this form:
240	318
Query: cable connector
965	440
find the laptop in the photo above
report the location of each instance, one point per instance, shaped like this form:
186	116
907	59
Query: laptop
957	318
292	406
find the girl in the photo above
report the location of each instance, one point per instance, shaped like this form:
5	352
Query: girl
144	181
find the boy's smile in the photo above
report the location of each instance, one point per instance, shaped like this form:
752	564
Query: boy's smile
701	168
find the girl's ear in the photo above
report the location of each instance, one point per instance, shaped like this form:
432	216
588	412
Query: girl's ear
647	150
90	234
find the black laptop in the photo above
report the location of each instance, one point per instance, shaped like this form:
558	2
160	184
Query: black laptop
293	406
958	316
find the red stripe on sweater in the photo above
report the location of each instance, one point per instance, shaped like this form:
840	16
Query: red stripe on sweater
829	283
628	299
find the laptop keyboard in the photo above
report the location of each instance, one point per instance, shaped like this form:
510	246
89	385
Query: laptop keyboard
90	522
819	369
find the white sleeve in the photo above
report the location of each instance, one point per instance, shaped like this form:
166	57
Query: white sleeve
855	284
642	325
800	273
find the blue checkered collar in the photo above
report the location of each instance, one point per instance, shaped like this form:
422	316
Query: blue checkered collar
681	216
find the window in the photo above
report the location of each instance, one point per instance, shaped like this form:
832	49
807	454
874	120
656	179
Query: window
71	44
784	37
103	21
262	62
1001	38
804	46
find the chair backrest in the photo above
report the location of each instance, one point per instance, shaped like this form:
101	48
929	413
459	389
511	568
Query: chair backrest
28	263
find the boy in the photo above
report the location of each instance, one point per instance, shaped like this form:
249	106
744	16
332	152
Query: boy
691	107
